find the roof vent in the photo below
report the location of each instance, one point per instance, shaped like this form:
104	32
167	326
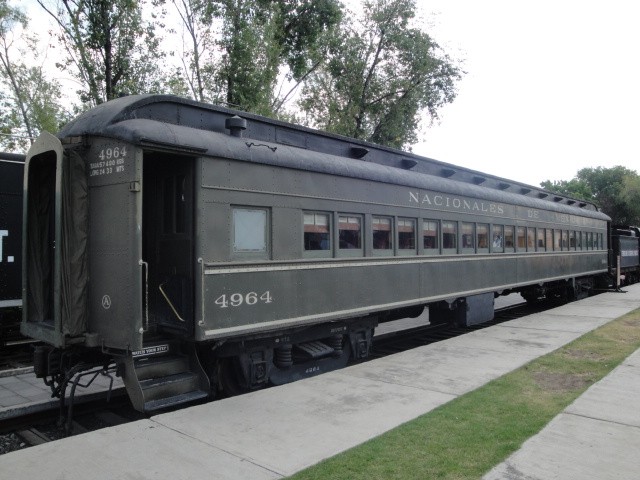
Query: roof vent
448	172
235	125
408	163
478	180
358	151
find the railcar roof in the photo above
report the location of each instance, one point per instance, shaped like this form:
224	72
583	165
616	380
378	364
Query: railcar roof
124	118
12	157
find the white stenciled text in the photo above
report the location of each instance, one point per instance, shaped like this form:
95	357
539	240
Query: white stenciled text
428	200
111	161
239	299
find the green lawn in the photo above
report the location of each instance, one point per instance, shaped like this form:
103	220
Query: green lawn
466	437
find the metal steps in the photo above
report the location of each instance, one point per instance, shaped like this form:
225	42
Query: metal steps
164	378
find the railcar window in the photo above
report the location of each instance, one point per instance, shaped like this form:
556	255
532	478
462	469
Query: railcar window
430	235
590	240
579	240
572	239
382	233
497	243
482	235
522	238
531	239
317	231
406	234
450	235
541	239
509	241
249	230
565	240
549	244
557	239
467	236
350	232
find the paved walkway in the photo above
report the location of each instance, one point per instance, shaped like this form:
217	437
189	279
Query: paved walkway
596	437
276	432
22	392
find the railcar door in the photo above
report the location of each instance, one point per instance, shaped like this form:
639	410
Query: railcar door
168	241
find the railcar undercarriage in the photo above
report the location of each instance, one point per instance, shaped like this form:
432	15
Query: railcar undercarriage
240	366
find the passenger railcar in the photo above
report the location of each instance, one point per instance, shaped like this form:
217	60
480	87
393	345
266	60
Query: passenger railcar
204	249
11	173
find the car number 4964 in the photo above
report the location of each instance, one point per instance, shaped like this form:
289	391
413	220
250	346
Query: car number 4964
238	299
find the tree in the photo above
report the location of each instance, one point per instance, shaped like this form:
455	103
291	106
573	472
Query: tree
631	197
197	56
615	190
381	76
29	101
607	186
258	40
110	49
575	188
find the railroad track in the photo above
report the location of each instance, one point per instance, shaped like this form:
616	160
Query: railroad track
35	428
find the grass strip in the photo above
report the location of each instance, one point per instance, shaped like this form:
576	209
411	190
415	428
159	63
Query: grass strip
468	436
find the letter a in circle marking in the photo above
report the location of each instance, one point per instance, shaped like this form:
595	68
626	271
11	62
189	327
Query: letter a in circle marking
106	302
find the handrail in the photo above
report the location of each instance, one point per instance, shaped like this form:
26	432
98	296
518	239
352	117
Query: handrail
144	264
169	302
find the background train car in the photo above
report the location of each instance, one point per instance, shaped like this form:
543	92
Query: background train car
625	245
204	249
11	183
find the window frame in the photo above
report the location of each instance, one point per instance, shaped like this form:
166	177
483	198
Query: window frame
467	239
453	236
521	233
263	254
348	252
541	240
391	236
321	253
432	250
497	238
512	229
479	227
407	251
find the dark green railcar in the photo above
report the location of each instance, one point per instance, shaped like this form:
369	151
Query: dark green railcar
203	249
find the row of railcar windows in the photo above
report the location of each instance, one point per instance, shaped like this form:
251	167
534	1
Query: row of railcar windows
440	236
405	236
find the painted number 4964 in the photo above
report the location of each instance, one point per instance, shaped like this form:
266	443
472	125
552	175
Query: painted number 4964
238	299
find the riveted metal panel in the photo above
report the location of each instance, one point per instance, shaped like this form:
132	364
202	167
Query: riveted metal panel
115	292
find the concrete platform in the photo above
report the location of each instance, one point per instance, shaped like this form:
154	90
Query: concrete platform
24	393
276	432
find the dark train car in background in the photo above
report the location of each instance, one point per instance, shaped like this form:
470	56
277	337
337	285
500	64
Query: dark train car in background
625	246
204	249
11	185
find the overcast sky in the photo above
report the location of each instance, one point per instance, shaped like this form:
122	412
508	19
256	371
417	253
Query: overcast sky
552	86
